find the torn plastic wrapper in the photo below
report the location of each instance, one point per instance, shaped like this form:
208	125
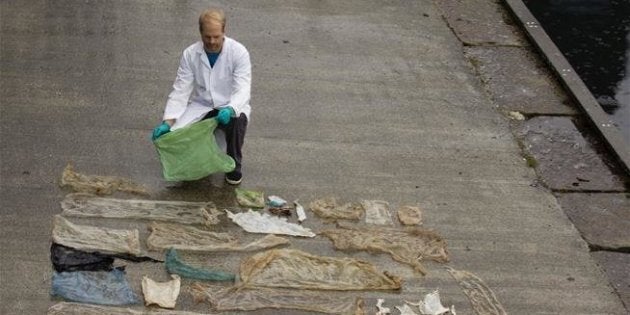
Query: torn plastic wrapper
406	246
175	265
377	212
255	222
431	305
250	198
406	310
275	201
382	310
85	237
481	297
163	294
232	299
97	287
100	185
88	205
182	237
328	208
286	268
409	215
68	308
300	211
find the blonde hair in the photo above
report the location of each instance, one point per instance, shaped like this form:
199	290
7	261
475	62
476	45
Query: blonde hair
212	15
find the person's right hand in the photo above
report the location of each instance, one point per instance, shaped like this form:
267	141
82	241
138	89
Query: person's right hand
160	130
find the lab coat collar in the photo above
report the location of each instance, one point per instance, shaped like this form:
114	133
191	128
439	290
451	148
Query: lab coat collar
199	50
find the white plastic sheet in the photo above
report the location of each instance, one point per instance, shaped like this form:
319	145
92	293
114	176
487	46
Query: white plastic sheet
254	222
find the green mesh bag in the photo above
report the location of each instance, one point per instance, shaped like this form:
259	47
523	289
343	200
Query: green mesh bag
191	153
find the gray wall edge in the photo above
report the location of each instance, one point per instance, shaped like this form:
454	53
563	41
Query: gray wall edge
572	82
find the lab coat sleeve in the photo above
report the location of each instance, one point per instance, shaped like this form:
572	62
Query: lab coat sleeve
241	84
182	88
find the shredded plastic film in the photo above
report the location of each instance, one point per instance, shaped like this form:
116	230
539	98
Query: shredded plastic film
377	212
328	208
255	222
286	268
431	305
479	294
406	246
100	185
97	287
88	205
409	215
182	237
231	299
68	308
175	265
85	237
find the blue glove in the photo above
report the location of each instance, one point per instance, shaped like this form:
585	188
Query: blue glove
225	114
160	130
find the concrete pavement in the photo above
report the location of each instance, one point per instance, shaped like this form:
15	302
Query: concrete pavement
355	99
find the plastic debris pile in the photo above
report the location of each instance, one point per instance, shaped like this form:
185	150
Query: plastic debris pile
274	271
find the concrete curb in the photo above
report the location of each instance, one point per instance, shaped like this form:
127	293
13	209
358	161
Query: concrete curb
572	82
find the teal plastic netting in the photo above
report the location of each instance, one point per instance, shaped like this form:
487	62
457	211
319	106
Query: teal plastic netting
191	153
175	265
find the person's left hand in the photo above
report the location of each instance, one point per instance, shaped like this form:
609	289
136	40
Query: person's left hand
160	130
225	114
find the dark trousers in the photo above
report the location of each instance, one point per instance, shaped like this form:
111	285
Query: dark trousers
234	136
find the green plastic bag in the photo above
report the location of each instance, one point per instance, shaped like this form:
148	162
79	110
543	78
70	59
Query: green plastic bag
191	153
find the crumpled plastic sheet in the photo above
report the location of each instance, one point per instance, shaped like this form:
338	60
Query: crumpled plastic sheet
100	185
406	246
287	268
250	198
382	310
182	237
410	215
97	287
328	208
431	305
69	308
479	294
85	237
377	212
175	265
232	299
69	259
163	294
406	310
65	258
255	222
89	205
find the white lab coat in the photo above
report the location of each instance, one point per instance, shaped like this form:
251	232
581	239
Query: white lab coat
200	88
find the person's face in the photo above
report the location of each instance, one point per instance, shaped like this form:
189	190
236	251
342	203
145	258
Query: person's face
212	36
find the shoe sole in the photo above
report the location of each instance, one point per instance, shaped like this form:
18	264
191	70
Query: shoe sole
233	182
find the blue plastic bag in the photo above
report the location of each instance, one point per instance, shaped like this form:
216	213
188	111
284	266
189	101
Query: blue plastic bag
96	287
